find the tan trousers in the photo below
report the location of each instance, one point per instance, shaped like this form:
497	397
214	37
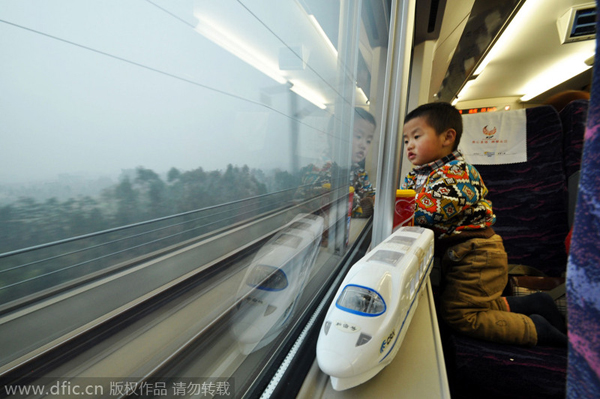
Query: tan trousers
475	274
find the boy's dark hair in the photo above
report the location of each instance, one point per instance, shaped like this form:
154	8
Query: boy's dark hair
364	114
359	113
441	117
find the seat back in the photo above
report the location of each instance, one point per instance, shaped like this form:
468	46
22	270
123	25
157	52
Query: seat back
573	117
530	198
583	278
530	202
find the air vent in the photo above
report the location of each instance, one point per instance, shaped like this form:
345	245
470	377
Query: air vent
578	23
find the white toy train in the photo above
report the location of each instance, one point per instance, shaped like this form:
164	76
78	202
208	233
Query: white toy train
274	281
365	325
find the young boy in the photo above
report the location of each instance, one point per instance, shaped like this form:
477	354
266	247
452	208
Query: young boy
451	201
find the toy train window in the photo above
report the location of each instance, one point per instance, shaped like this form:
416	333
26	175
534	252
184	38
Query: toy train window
288	240
413	229
402	240
420	255
362	301
267	278
390	257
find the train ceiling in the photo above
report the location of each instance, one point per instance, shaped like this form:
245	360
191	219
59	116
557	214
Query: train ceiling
523	47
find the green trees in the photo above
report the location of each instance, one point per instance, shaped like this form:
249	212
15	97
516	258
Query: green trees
126	199
140	195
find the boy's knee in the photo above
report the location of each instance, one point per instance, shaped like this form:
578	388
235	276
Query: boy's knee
491	325
457	316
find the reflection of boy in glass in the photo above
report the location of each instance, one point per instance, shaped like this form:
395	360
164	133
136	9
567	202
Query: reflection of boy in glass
364	193
315	178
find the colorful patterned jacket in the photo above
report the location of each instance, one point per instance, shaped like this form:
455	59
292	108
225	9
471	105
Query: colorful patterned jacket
450	198
364	193
315	179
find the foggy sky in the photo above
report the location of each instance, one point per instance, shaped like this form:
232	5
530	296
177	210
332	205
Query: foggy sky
95	87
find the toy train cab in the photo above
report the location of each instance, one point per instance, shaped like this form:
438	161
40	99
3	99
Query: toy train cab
365	325
274	280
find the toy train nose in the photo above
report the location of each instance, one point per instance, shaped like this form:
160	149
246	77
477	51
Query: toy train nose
334	364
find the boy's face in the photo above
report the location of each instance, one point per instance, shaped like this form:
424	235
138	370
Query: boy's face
361	140
423	145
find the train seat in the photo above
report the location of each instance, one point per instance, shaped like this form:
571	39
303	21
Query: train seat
530	198
530	201
584	267
479	369
573	117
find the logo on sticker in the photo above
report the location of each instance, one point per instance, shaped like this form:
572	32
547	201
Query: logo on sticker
489	133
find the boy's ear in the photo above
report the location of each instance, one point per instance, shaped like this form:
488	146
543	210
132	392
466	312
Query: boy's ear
450	137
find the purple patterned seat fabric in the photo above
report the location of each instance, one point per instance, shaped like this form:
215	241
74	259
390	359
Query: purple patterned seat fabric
530	199
530	202
573	118
583	277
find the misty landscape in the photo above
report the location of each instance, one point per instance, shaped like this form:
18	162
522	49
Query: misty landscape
34	214
117	119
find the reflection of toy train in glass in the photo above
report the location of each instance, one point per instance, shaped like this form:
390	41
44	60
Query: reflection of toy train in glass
274	281
365	326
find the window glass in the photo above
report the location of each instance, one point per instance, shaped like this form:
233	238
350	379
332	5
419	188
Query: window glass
361	300
144	142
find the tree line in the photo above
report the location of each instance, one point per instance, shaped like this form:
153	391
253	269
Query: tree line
138	196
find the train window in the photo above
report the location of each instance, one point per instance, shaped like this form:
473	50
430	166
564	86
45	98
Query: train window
149	145
420	254
361	300
390	257
413	284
